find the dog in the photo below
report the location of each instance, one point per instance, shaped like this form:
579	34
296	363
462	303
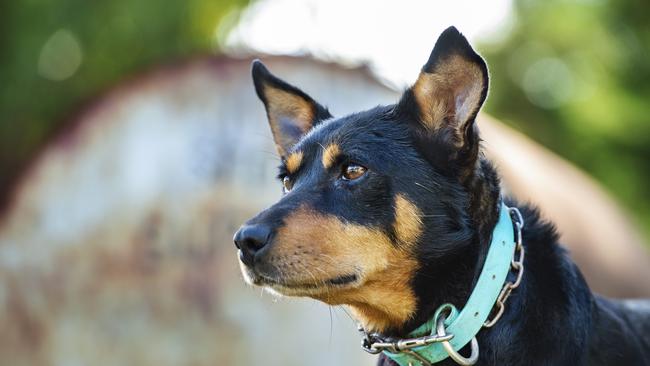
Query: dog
394	211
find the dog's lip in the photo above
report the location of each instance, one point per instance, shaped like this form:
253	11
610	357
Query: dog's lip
343	280
338	281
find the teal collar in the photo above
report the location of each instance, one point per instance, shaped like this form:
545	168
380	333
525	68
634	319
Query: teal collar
450	330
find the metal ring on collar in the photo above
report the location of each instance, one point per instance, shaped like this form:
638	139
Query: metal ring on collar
461	360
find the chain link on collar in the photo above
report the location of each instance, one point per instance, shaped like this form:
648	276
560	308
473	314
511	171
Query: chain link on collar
516	264
374	343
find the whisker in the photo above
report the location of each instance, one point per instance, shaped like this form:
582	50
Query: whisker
331	327
427	188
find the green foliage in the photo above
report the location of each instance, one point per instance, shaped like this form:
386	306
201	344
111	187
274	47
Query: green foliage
100	42
575	76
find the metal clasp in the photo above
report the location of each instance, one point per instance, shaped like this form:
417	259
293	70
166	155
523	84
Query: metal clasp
374	344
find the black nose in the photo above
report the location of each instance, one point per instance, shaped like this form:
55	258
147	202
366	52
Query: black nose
249	239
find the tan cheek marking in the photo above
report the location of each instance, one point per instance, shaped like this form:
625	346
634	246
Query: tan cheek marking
331	152
408	221
293	161
386	299
437	94
325	247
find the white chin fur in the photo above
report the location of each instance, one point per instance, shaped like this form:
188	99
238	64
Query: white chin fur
272	291
244	272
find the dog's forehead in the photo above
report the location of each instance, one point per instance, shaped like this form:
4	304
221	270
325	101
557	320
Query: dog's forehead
349	132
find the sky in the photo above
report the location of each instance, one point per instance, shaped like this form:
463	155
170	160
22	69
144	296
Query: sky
394	38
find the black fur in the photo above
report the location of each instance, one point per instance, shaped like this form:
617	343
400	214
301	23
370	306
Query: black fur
551	319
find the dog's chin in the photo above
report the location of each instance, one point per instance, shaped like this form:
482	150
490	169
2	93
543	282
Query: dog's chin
288	286
313	289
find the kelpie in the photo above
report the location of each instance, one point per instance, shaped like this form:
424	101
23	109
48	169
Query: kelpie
394	211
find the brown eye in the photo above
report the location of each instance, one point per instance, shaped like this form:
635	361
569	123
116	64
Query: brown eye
353	171
287	184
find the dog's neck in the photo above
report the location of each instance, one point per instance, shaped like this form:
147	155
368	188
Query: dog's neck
451	280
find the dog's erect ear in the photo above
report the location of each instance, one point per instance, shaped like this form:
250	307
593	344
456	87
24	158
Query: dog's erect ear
452	85
291	112
449	92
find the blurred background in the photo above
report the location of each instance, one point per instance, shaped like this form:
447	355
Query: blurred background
132	146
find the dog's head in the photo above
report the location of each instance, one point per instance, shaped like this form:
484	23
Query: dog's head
370	199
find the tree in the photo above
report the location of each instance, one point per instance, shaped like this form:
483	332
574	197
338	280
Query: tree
575	76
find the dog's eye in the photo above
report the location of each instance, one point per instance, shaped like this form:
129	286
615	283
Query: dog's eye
287	184
353	171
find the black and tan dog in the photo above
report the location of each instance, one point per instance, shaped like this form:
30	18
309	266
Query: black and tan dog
390	212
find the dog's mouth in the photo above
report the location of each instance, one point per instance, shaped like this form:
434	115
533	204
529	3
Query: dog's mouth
293	287
338	281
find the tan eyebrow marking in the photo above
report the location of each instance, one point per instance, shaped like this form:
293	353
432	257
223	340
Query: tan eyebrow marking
331	152
293	161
